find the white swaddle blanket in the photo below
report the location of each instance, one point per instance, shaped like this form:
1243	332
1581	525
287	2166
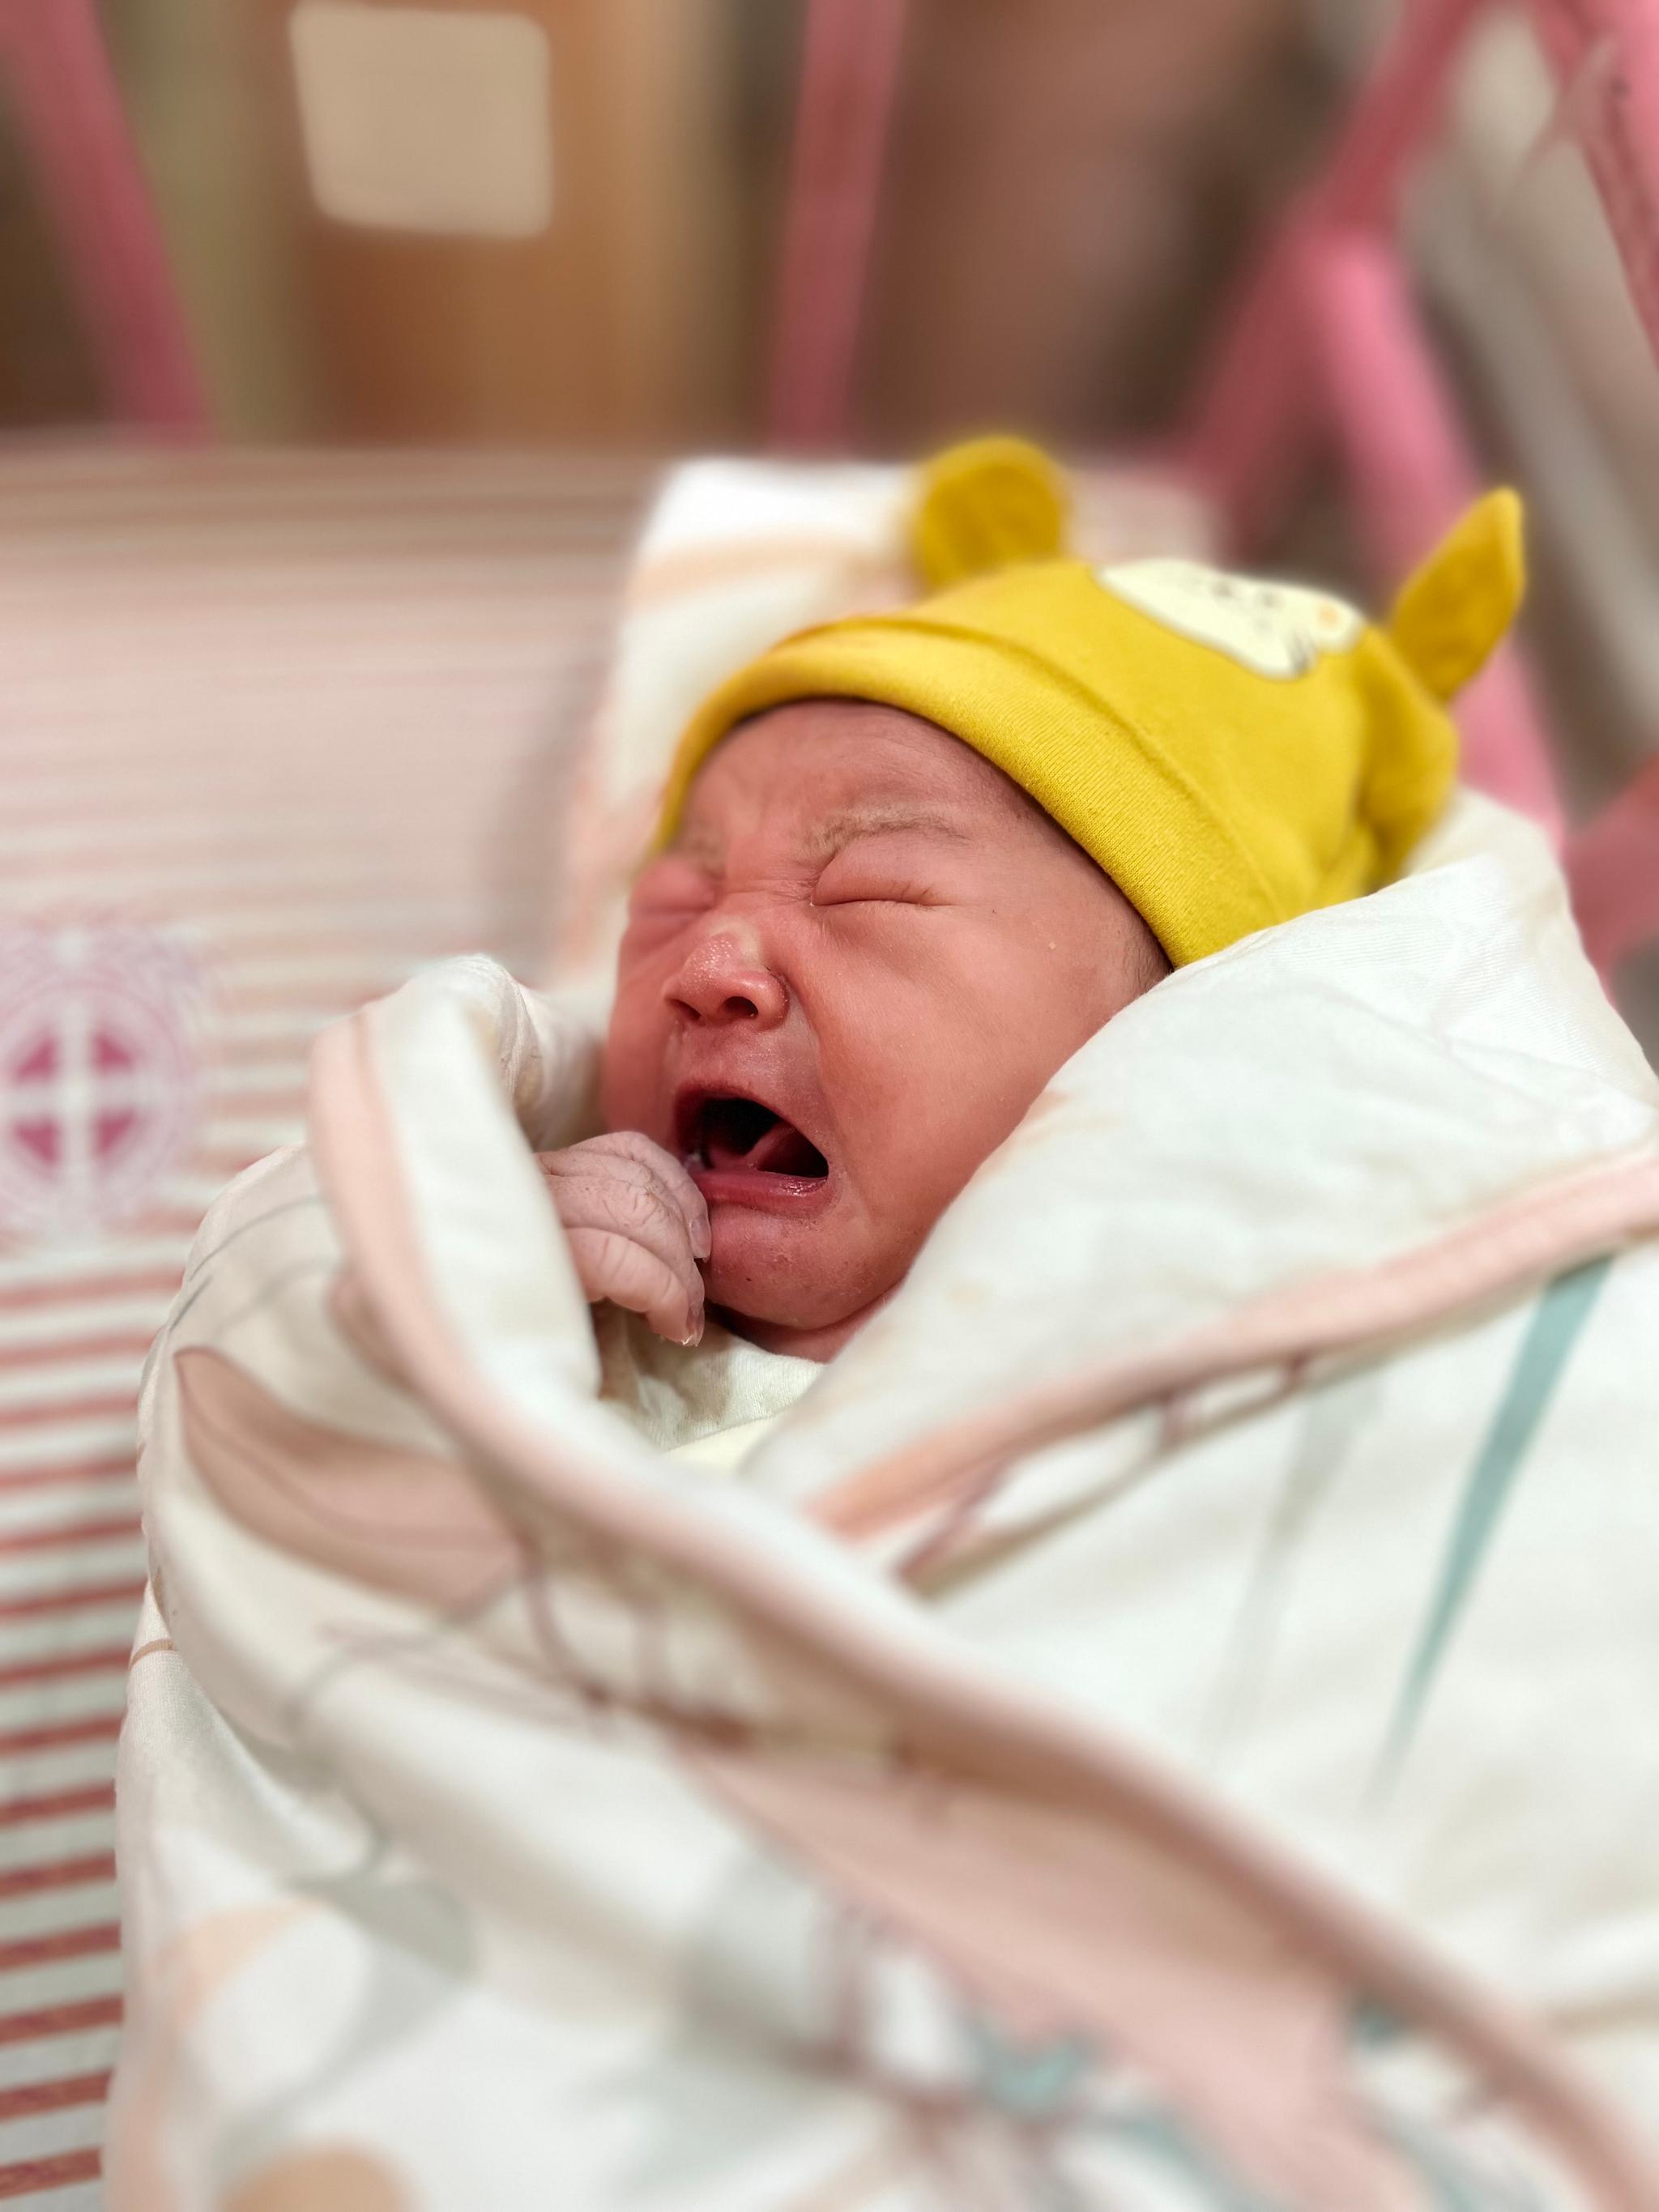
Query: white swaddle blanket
1162	1722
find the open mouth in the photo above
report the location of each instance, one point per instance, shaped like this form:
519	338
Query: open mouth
730	1135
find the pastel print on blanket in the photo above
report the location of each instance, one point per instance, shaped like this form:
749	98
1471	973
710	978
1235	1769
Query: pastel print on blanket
1163	1722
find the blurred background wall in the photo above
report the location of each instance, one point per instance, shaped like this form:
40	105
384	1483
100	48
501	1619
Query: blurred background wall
1069	181
559	224
340	197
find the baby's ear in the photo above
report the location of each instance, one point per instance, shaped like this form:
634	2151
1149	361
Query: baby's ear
1455	605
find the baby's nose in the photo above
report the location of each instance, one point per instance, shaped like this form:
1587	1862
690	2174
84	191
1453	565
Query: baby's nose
721	982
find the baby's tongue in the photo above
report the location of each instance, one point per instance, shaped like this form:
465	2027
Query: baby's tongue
720	1153
780	1149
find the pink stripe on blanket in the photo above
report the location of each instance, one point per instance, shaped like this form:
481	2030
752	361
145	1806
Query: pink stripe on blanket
1514	1246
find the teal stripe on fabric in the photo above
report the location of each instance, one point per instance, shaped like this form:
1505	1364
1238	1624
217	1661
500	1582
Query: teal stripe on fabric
1165	2140
1333	1417
1451	2183
1557	1321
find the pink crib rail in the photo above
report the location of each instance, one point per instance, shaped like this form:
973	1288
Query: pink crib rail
1254	428
1613	868
849	79
1333	287
1606	58
1411	475
57	76
1327	351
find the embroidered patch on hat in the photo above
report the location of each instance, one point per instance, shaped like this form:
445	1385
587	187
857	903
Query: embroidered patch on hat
1274	629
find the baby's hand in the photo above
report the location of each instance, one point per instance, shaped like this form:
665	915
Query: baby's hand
636	1225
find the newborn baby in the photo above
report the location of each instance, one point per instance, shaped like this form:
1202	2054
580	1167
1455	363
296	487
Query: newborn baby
862	957
908	864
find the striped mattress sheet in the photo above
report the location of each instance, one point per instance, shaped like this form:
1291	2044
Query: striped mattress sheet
275	730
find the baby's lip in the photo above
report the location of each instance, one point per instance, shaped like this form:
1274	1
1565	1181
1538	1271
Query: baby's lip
740	1146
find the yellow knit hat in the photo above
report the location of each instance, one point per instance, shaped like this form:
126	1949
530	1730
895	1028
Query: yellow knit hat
1230	752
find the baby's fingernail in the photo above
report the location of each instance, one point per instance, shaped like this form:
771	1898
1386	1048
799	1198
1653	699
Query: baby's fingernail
694	1334
702	1239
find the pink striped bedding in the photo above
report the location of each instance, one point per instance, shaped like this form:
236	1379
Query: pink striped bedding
274	731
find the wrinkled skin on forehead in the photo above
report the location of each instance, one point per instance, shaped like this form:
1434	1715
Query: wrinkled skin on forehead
863	957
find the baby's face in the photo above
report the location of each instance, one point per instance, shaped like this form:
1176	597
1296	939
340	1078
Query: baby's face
863	957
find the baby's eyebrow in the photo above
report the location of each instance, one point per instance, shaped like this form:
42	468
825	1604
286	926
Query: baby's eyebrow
696	846
828	837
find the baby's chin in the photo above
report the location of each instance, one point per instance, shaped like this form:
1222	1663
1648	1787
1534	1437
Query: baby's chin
772	1279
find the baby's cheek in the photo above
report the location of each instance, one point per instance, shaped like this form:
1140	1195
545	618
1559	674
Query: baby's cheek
630	1066
914	1106
959	1067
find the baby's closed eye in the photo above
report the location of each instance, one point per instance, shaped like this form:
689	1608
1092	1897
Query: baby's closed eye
671	893
855	878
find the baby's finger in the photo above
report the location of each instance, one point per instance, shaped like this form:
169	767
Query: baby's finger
630	1145
614	1267
583	1160
601	1200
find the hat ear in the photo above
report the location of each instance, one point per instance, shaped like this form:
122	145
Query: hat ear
987	505
1455	605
